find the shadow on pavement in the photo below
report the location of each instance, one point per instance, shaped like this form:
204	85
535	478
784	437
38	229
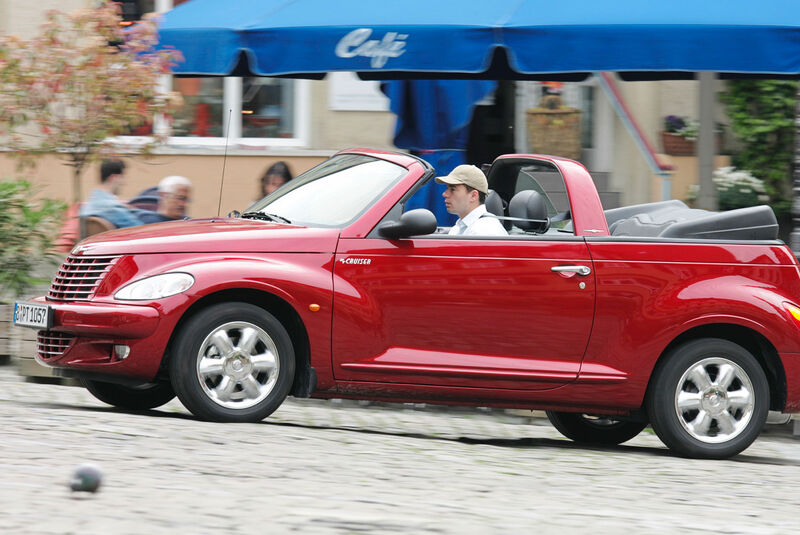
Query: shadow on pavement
515	443
523	443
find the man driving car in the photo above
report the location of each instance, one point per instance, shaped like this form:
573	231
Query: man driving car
465	197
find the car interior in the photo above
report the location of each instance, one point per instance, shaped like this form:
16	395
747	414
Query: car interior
529	199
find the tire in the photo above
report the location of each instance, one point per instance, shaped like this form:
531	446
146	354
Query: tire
136	398
708	399
588	429
232	362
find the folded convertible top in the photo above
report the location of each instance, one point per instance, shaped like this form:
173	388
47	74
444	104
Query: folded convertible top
673	219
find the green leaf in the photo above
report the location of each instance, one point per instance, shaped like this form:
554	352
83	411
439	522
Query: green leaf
762	114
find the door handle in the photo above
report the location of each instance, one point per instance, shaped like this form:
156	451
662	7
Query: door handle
580	270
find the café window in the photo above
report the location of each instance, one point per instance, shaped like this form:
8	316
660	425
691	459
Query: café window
201	113
267	105
254	112
261	111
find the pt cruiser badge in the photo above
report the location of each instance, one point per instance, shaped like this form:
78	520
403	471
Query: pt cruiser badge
363	261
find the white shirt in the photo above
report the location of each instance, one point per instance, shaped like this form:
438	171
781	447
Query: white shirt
474	224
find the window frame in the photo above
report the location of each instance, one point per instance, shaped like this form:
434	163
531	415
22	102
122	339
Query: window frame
232	123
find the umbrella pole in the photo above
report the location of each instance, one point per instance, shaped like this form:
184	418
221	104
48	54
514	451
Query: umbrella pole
706	198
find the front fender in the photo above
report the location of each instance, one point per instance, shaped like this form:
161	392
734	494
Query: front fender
299	279
293	278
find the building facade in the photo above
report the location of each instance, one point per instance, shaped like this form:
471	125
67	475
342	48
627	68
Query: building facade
243	125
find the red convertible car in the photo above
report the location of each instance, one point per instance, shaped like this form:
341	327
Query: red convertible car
655	314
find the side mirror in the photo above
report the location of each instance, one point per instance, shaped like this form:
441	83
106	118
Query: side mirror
411	223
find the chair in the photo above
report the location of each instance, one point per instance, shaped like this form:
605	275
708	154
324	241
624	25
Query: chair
91	225
69	233
495	205
146	200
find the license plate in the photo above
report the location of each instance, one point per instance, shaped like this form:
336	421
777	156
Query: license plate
33	315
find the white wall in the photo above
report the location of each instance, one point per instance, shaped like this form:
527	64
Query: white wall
335	130
23	18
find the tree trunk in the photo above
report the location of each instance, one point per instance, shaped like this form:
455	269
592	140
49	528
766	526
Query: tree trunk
78	162
77	194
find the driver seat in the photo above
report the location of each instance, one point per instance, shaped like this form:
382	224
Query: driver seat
495	205
530	211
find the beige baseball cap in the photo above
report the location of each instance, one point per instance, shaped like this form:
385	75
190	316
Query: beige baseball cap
469	175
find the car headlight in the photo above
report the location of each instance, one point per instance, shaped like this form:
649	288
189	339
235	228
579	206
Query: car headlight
156	287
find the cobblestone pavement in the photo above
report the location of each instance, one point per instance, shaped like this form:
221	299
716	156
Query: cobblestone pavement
323	467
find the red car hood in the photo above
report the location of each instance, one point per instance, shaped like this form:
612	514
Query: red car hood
211	236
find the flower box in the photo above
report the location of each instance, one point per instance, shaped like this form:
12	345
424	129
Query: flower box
677	145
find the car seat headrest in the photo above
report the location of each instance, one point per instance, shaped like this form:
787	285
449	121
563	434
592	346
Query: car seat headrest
529	210
494	204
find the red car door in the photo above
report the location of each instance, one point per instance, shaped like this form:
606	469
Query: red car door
490	313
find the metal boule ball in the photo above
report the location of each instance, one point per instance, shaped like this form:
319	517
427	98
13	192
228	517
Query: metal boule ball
86	478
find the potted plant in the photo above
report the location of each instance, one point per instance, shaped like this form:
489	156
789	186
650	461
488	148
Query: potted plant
26	260
554	128
679	135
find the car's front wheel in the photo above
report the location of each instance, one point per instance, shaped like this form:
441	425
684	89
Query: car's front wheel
708	398
136	398
232	362
590	429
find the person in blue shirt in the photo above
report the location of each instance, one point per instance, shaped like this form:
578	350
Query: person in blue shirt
103	201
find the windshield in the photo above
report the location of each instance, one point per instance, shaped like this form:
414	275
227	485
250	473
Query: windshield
332	194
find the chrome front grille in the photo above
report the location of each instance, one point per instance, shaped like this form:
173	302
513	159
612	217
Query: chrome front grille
51	344
79	277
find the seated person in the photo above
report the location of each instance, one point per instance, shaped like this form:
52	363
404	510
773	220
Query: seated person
276	176
103	201
174	194
465	197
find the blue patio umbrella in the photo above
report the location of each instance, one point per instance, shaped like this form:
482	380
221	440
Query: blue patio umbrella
502	39
491	40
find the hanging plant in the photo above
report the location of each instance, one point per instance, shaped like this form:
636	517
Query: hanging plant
762	115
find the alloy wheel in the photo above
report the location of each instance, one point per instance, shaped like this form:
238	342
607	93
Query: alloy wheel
238	365
714	400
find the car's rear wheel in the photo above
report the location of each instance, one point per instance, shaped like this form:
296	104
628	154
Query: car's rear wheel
708	398
590	429
232	362
137	398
